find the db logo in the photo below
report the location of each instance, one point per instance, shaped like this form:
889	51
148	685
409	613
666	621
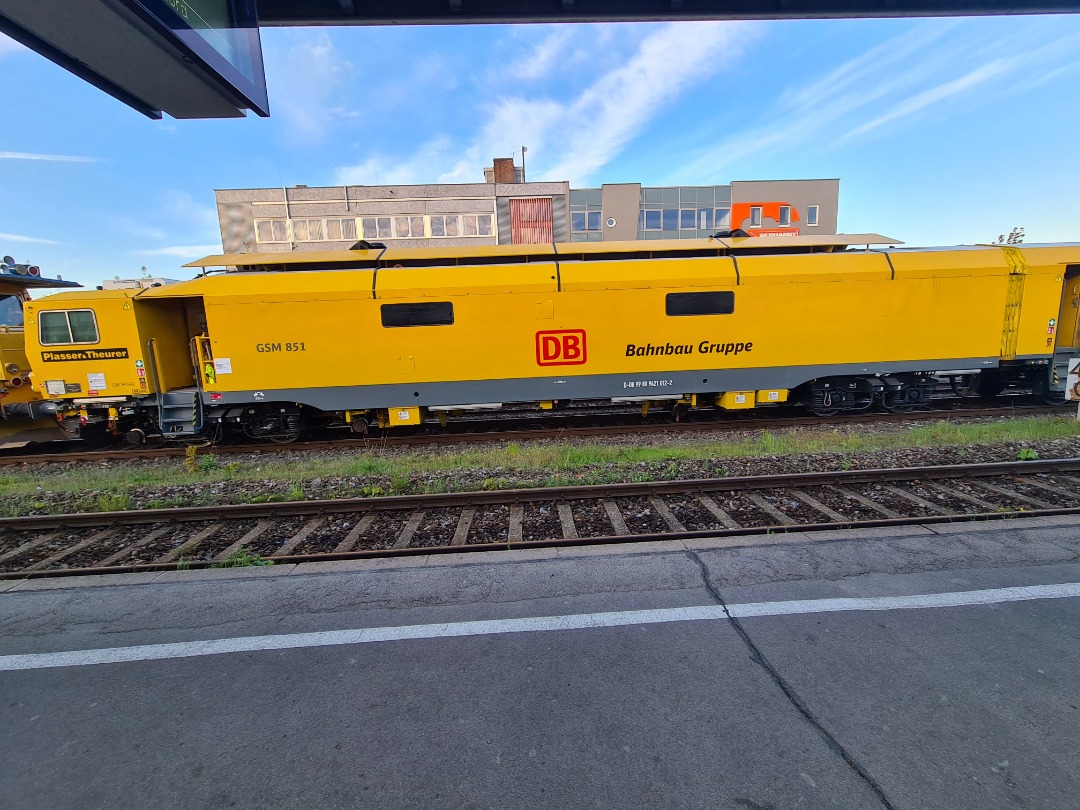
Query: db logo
565	347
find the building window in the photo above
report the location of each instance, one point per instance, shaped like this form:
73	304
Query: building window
408	228
67	327
341	230
271	230
586	214
305	230
308	230
440	313
376	227
585	221
722	218
811	215
755	216
700	303
452	225
785	216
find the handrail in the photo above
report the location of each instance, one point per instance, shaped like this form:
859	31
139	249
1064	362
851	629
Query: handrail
151	353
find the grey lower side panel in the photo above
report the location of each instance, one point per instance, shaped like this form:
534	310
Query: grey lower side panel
656	384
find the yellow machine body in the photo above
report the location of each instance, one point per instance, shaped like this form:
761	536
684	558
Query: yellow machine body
738	323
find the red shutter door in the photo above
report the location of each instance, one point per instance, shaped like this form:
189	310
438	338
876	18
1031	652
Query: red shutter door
530	221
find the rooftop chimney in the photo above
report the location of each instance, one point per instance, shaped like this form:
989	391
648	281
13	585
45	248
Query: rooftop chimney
503	170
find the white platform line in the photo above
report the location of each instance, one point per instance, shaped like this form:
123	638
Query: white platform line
191	649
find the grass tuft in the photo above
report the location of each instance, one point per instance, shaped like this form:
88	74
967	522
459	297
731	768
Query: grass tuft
242	558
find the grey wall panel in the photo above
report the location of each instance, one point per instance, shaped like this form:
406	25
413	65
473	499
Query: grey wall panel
621	202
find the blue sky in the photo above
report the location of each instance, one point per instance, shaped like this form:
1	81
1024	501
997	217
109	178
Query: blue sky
942	131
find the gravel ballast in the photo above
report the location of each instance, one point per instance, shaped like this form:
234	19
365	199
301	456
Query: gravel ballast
244	484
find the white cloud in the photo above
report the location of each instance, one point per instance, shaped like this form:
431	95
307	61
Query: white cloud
881	88
35	156
544	56
183	251
14	237
390	171
305	83
586	131
933	95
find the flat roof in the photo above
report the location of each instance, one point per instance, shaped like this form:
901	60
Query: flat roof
566	250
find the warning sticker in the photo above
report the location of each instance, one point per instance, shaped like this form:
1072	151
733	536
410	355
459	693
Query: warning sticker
95	381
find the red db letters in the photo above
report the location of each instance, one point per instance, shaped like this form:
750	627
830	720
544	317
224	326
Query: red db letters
563	347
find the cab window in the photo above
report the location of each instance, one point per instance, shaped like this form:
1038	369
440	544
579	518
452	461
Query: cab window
67	326
11	311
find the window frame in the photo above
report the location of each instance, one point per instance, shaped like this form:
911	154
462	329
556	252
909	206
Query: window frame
757	216
271	221
785	217
71	342
812	216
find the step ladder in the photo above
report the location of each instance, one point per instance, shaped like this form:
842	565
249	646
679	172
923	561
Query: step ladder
179	413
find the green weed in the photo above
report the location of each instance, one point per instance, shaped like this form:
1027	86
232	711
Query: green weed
1027	454
242	558
113	502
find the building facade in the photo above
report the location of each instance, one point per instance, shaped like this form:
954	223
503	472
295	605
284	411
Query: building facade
628	211
508	210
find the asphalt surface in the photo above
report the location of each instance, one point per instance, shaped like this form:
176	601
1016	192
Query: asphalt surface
974	706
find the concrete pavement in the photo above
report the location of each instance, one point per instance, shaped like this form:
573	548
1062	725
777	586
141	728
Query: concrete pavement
949	707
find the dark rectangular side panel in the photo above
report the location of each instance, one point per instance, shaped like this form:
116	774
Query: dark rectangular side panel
701	303
440	313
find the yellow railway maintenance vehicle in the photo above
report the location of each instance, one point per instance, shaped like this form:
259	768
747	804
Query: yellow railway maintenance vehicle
274	344
24	415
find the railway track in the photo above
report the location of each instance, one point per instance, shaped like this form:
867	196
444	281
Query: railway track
167	539
50	454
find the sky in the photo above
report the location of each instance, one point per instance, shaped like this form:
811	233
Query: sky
942	131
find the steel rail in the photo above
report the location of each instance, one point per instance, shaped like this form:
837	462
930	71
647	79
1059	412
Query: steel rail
419	551
1011	504
517	496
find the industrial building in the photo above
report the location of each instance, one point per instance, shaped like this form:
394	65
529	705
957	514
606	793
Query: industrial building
505	209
